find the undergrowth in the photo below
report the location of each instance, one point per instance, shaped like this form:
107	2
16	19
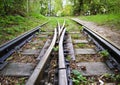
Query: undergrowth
111	20
12	26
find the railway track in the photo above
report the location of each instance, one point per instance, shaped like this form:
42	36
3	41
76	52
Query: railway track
59	58
103	44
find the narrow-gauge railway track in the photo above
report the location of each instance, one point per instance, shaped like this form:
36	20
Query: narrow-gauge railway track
64	58
49	71
106	53
114	59
47	64
10	47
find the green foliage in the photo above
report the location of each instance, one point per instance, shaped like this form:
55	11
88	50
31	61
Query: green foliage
56	48
112	77
80	28
76	72
21	81
52	7
37	15
42	6
68	58
18	84
67	11
111	20
78	78
43	30
81	45
95	6
58	6
104	53
8	21
75	36
12	26
13	7
71	25
113	6
76	82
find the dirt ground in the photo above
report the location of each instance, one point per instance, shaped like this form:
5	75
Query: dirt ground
107	32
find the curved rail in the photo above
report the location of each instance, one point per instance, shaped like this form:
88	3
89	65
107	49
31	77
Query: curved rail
34	79
9	48
58	27
62	66
62	27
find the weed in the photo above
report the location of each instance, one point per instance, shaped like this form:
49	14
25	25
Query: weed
68	58
78	78
38	16
81	45
43	30
80	28
104	53
37	33
21	81
16	25
75	36
108	19
9	31
50	34
56	48
117	77
112	77
12	26
9	37
42	38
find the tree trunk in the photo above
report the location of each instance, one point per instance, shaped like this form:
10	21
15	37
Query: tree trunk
27	6
81	6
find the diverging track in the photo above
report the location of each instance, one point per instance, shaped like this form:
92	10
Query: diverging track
60	58
51	68
33	61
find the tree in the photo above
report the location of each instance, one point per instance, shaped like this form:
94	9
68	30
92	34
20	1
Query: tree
67	10
95	6
43	7
12	7
58	6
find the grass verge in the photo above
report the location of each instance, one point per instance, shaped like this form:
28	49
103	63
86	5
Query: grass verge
111	20
12	26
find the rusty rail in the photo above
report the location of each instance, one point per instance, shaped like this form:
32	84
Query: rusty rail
62	67
34	79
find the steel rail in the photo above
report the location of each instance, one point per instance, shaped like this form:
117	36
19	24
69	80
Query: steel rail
62	66
113	51
115	45
61	29
9	48
36	75
114	59
58	27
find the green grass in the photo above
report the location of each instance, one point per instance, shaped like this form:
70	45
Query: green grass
81	45
70	25
12	26
111	20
